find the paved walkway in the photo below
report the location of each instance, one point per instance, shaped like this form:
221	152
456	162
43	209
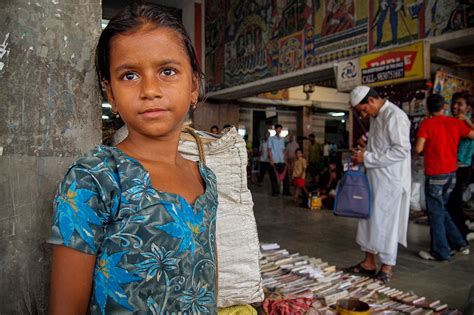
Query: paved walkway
322	235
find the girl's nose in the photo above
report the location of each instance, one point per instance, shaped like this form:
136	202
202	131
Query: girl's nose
150	88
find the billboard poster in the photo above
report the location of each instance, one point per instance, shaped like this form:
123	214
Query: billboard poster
395	22
446	85
402	64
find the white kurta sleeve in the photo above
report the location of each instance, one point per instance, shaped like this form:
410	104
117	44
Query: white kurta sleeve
398	127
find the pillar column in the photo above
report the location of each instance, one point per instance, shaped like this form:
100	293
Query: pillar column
50	114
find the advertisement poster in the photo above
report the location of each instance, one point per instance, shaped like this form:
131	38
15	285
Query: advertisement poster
348	74
446	85
395	22
403	64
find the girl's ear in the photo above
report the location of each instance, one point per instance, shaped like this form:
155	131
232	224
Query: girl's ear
195	88
109	93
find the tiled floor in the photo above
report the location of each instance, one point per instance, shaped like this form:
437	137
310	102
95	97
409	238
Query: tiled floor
322	235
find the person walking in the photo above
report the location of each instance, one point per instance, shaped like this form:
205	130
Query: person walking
438	139
278	168
387	161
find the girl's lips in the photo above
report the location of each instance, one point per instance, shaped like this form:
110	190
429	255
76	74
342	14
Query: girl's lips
153	113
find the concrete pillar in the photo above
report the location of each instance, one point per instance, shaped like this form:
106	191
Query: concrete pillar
49	115
306	122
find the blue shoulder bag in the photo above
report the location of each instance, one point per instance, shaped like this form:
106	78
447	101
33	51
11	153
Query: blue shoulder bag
353	195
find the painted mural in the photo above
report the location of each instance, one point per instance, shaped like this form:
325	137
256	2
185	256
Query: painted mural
215	20
248	40
340	30
394	22
444	16
338	16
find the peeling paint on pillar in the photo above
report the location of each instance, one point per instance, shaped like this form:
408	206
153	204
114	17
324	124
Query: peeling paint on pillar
49	115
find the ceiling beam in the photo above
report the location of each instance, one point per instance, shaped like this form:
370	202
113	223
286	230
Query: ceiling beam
444	56
283	81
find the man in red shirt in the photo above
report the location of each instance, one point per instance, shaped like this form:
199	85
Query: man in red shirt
438	138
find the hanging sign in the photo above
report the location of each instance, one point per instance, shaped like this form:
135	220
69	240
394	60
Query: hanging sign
347	74
403	64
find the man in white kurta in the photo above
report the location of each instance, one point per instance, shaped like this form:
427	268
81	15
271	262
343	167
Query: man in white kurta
387	161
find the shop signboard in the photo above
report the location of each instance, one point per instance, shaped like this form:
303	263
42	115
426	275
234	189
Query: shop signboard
347	74
397	65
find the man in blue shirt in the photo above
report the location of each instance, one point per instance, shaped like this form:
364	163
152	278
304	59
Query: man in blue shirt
278	168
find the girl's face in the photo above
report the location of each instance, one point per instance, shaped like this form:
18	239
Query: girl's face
151	81
299	154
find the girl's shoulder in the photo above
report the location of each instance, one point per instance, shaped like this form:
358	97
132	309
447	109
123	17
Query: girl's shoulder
103	164
102	157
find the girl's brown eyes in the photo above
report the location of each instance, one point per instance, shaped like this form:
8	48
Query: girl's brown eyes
168	72
129	76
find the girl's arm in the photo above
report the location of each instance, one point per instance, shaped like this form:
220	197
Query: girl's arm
71	281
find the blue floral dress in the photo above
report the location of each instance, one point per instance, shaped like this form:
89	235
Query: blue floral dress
156	254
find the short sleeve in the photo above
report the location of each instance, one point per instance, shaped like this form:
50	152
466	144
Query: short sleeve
80	214
465	130
422	132
270	143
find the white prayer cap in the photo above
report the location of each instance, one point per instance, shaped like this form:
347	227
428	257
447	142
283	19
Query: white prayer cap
358	94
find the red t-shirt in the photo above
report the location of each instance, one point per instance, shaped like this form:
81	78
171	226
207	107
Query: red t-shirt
442	135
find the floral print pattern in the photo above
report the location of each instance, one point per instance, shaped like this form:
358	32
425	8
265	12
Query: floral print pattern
196	300
159	260
74	214
186	226
108	278
155	252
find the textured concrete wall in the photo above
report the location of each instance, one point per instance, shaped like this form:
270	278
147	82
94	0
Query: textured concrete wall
49	115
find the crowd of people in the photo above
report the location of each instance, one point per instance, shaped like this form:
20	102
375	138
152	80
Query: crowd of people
290	169
385	152
287	165
447	147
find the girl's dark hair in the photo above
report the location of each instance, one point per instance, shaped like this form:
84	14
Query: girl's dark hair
298	150
373	93
129	19
434	103
466	96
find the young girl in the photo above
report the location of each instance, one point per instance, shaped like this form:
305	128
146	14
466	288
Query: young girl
134	225
299	174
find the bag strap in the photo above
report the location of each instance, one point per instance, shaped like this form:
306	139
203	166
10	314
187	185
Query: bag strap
200	145
349	161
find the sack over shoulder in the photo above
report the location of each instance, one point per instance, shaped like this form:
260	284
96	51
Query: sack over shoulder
353	197
238	247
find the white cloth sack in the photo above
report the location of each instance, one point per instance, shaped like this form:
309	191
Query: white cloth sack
238	251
